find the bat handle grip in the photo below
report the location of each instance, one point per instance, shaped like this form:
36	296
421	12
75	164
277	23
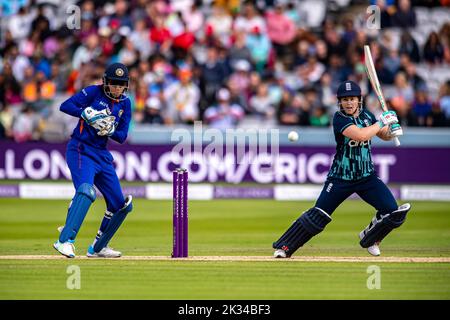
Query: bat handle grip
397	142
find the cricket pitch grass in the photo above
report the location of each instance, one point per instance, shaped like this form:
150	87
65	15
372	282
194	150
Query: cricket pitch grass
230	254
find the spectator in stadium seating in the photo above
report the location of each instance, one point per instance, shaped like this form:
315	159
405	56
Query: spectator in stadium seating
194	17
337	70
433	51
301	53
322	52
20	25
88	26
141	96
349	33
405	16
153	111
221	23
444	99
386	11
327	94
173	21
86	52
128	54
335	42
444	35
182	99
259	45
408	45
293	14
183	43
421	107
249	19
241	76
401	97
417	81
281	29
224	115
287	114
392	61
213	72
24	125
41	23
18	61
320	117
311	71
436	118
6	121
238	50
121	14
261	103
139	38
10	88
160	35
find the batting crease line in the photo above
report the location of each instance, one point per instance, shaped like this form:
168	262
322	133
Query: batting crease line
242	258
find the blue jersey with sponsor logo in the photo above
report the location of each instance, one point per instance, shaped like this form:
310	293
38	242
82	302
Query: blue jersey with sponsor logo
353	160
95	97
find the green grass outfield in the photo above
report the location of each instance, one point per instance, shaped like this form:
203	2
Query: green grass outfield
222	228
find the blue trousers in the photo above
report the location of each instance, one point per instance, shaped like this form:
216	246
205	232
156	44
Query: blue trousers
95	166
371	189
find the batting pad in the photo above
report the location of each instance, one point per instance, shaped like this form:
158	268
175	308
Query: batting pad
78	209
309	224
114	224
378	229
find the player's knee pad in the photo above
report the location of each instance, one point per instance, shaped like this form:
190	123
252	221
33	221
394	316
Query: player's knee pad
378	229
310	223
116	221
78	209
87	190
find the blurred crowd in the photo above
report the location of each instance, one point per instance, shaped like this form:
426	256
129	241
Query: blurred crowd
225	62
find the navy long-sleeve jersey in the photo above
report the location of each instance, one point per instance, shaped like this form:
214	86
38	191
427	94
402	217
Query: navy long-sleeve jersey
95	97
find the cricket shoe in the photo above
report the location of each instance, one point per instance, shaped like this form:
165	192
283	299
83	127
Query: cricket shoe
280	254
374	249
106	252
65	248
60	229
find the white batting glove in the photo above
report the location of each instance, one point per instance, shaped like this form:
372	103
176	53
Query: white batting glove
395	130
387	118
90	115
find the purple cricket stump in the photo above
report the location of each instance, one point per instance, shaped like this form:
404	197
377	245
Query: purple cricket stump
180	186
185	214
175	251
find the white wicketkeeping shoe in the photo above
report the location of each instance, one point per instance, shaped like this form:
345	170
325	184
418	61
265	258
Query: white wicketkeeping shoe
279	253
375	249
106	252
65	248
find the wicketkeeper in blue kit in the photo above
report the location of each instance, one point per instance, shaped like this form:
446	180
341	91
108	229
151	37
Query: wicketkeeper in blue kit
352	171
105	112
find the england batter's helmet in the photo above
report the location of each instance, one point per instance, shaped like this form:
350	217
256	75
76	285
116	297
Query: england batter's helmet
349	89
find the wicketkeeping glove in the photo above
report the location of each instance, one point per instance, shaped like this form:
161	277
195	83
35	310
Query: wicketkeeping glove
90	115
108	129
387	118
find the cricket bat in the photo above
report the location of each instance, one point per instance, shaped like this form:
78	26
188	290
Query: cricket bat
373	78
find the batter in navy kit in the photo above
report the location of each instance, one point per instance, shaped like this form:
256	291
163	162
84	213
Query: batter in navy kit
104	113
352	171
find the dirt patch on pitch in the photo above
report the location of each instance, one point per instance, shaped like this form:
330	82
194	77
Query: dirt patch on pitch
246	258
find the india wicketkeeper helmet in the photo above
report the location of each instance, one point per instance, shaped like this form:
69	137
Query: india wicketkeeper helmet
349	89
116	74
